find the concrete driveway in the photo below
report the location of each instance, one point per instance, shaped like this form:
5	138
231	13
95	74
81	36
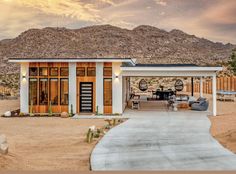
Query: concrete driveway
162	141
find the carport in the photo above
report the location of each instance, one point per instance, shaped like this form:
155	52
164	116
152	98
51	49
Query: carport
171	70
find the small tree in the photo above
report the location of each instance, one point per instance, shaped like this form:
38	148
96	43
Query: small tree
232	62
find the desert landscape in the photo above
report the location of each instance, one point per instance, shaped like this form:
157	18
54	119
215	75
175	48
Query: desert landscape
59	143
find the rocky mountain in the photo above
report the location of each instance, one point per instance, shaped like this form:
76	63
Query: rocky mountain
145	43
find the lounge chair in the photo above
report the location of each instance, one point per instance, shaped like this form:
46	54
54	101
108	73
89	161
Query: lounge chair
200	106
196	101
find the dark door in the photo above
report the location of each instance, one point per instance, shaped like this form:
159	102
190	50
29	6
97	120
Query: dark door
86	97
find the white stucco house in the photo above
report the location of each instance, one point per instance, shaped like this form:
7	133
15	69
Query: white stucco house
92	84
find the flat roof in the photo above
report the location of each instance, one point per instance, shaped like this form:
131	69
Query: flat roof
165	65
22	60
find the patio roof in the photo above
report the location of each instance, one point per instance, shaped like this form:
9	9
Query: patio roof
169	70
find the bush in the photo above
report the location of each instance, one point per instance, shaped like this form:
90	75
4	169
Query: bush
232	62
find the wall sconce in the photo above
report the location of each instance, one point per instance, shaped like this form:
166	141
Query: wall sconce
24	77
117	77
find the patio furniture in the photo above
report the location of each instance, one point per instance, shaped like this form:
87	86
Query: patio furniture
164	95
135	102
196	101
200	106
226	95
182	97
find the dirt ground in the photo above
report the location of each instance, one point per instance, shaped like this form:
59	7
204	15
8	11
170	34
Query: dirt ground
59	144
47	143
224	125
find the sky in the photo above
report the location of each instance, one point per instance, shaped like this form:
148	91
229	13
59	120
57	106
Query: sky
211	19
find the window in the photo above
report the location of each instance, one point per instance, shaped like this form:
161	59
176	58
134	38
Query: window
33	89
64	88
53	71
43	71
43	91
33	71
64	71
107	92
80	71
107	71
54	91
91	71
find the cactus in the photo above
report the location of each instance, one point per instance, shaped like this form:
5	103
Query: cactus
89	136
97	110
114	122
71	110
31	108
50	109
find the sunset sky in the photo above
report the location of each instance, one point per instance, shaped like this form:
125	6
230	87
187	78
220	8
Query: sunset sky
211	19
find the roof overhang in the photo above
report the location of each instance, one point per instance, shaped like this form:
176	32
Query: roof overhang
189	71
25	60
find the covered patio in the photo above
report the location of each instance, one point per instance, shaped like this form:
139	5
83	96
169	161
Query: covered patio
159	98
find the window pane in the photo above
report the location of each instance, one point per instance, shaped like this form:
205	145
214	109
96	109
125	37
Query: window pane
64	91
54	91
107	92
43	91
64	71
33	89
33	71
43	71
107	71
53	71
80	71
91	71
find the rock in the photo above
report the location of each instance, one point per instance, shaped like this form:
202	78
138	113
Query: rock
4	148
92	128
64	115
3	139
7	114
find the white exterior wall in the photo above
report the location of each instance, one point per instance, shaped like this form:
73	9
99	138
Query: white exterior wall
99	87
214	108
201	87
124	93
72	87
116	89
24	88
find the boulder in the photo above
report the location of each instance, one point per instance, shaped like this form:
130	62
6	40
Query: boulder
3	139
3	144
64	115
4	148
7	114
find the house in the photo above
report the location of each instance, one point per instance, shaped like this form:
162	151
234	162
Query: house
91	84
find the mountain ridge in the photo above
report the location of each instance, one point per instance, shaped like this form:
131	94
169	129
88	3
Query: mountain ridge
147	44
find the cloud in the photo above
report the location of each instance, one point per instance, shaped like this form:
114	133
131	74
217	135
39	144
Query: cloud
161	2
213	19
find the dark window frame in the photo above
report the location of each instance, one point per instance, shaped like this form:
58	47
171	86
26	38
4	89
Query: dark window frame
50	74
110	75
61	79
94	69
104	92
40	91
49	91
83	70
64	68
37	97
43	75
37	73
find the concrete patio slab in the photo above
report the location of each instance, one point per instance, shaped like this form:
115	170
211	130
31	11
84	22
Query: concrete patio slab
162	141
